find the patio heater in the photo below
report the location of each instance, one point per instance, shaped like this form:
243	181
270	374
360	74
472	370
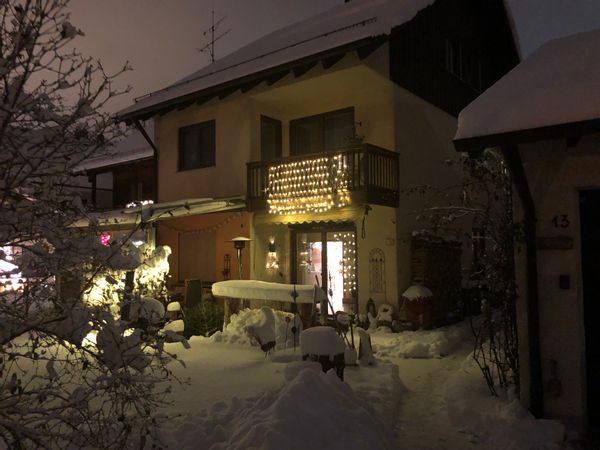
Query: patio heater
239	243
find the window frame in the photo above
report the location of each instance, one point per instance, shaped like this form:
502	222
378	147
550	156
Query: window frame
279	137
180	149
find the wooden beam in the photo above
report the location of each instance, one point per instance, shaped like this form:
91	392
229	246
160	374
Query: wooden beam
185	105
366	50
203	100
301	70
272	79
251	85
227	92
330	61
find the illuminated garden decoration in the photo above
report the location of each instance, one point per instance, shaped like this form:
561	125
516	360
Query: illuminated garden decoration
314	185
151	269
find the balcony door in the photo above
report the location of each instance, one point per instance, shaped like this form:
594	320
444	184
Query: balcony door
325	254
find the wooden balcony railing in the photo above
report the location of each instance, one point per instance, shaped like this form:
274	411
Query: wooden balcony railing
369	173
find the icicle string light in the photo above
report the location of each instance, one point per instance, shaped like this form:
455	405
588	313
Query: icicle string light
348	262
314	185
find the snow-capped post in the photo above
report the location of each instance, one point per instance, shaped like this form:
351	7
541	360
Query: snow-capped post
81	378
323	345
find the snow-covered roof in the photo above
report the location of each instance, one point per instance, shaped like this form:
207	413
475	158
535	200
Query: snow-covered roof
559	84
152	212
339	26
133	148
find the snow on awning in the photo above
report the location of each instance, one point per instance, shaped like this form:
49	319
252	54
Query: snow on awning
263	290
554	91
149	212
342	25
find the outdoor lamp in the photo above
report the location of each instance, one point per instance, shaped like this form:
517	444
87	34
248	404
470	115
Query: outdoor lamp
272	262
239	243
139	238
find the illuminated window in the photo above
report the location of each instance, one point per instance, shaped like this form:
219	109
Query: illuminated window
197	146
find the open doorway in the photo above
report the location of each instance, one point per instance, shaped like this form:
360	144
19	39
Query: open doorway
326	254
589	204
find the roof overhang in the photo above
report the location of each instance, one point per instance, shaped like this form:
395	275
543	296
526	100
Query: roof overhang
364	47
476	144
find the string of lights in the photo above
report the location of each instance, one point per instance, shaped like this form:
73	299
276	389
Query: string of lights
313	185
209	229
349	261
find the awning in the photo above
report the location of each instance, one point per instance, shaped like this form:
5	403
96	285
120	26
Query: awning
348	214
148	212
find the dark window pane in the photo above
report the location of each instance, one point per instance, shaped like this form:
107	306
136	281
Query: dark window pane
338	128
324	132
270	139
197	146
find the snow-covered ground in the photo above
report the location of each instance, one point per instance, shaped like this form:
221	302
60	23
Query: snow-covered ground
423	393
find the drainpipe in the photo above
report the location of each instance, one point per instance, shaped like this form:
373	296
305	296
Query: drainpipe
141	129
513	159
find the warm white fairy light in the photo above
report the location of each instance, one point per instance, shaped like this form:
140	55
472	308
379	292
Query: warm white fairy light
313	185
348	262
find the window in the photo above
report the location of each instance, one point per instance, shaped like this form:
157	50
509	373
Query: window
463	64
270	139
321	133
197	146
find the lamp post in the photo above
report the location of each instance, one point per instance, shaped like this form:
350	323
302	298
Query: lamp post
239	243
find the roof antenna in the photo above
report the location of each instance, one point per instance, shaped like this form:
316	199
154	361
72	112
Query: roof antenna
210	46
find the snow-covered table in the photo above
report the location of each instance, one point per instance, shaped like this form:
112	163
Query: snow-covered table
263	290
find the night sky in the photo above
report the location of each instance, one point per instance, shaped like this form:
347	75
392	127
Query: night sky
161	37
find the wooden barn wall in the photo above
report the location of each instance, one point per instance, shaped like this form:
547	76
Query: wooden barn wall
418	50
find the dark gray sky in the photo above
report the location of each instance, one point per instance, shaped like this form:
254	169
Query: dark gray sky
161	37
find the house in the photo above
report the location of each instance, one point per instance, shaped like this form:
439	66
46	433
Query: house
124	175
544	116
307	137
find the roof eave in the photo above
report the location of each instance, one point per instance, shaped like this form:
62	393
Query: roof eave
560	131
200	96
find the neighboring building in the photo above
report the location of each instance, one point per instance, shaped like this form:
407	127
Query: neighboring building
319	127
545	117
123	176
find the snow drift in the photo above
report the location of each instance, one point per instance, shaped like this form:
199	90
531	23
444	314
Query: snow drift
313	410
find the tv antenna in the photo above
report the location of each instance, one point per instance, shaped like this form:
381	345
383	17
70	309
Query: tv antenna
210	46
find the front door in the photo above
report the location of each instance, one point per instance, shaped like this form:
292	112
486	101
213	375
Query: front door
590	255
326	255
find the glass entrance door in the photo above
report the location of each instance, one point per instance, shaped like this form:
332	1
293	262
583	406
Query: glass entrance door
327	257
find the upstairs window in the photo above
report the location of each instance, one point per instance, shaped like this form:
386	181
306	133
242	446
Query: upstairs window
197	146
321	133
463	63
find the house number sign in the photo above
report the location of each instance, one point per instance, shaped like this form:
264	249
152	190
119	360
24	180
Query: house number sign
561	221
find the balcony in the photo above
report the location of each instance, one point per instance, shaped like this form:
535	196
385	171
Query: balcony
322	181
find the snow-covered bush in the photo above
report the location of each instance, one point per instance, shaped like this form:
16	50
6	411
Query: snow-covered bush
204	319
57	389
